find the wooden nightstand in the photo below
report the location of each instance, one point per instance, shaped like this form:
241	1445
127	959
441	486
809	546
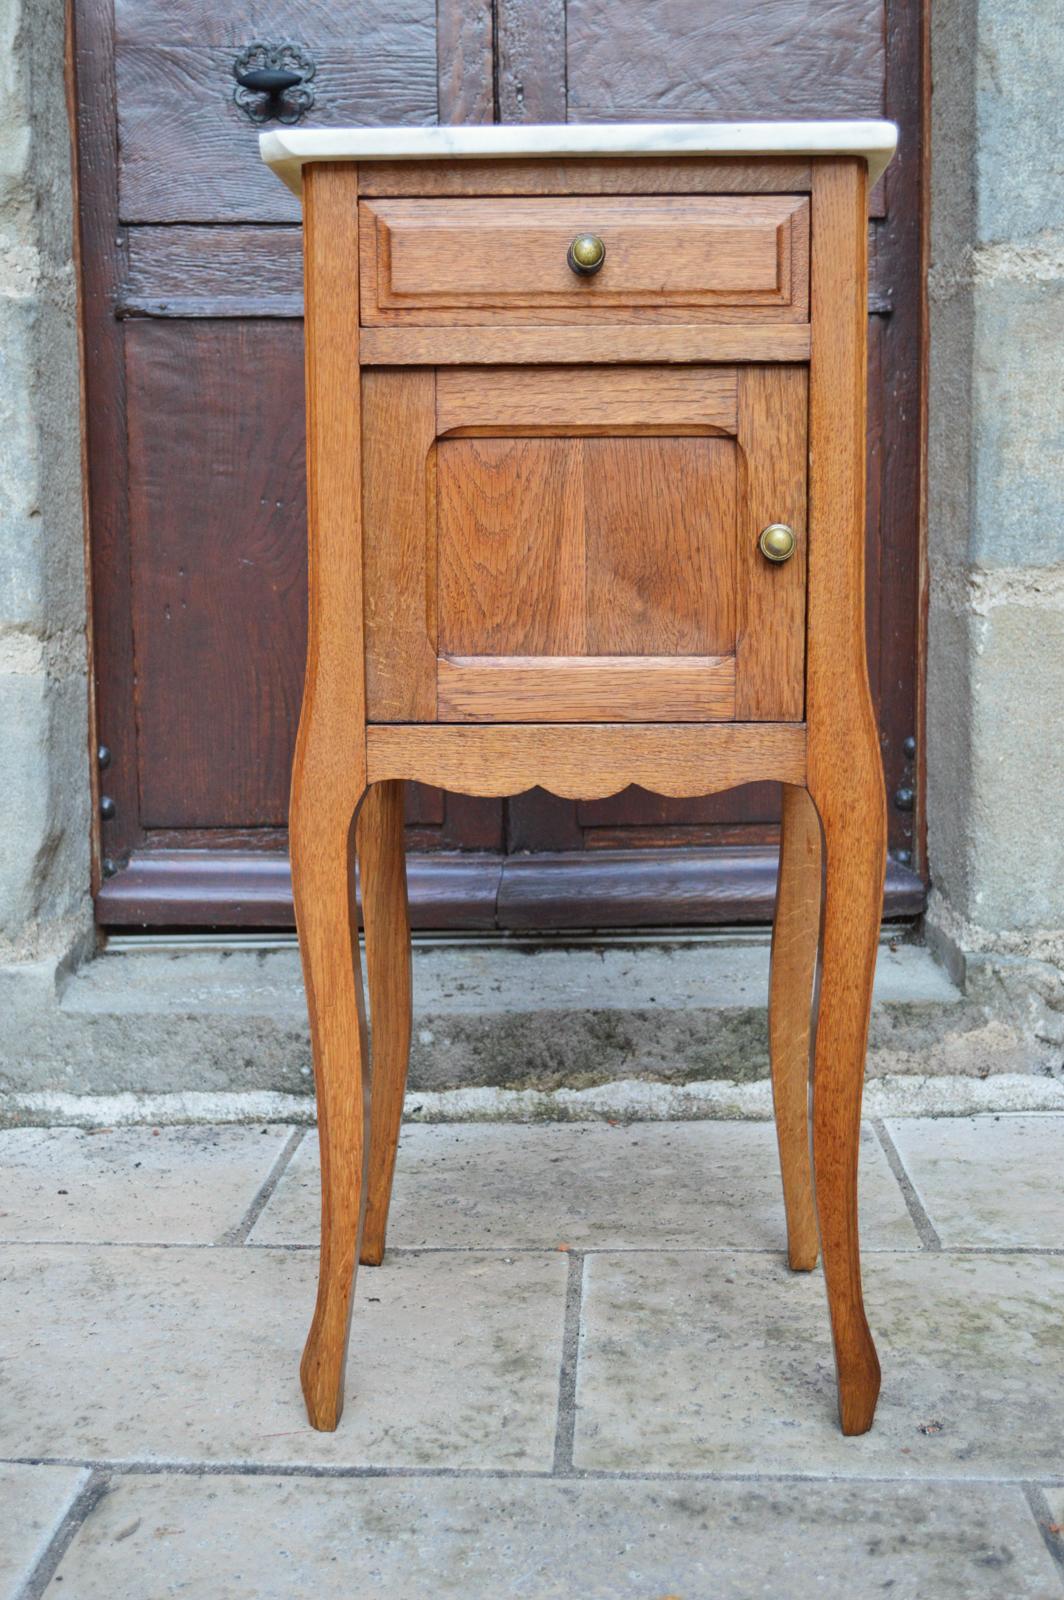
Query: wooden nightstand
586	420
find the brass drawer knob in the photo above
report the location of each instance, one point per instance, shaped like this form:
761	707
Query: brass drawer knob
586	254
777	542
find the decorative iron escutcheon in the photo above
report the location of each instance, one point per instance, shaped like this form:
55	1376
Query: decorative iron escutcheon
272	82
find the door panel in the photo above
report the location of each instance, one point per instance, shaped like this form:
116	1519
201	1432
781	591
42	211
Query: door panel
586	547
207	335
189	154
602	568
728	59
219	588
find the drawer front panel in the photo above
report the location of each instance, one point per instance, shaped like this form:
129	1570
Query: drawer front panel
541	549
690	258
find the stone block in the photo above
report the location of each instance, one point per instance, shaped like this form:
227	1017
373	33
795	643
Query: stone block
1019	84
694	1185
269	1538
132	1186
1016	847
987	1182
34	1501
178	1354
44	859
1018	423
718	1363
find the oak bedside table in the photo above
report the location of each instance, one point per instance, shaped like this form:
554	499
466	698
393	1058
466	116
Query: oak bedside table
586	433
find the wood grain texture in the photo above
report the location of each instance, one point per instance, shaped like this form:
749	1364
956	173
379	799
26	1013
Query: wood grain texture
593	688
217	506
530	47
682	344
724	59
465	66
795	940
556	399
398	521
770	598
586	547
224	272
684	257
660	521
586	761
188	154
845	772
382	874
329	774
511	547
587	176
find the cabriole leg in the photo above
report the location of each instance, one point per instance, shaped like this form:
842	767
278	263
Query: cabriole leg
382	868
795	937
855	858
323	881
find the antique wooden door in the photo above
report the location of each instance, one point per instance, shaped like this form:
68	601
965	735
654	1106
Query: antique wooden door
192	306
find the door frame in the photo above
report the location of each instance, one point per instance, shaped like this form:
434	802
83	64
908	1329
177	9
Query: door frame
145	882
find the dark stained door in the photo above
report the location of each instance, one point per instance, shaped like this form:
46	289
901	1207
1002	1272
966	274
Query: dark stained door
192	296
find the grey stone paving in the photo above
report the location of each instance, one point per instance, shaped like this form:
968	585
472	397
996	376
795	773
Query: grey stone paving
583	1371
995	1181
587	1185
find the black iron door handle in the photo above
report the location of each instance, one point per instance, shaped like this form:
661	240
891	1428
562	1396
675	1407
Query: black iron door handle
273	82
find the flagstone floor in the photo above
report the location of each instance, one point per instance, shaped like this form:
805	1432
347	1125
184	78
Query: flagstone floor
583	1371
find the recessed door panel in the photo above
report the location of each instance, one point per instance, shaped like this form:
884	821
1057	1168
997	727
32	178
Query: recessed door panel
588	547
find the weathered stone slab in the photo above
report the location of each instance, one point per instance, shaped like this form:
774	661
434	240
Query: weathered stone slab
707	1185
433	1538
33	1502
189	1355
131	1186
988	1181
714	1364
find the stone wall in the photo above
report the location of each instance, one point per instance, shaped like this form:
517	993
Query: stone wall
45	913
996	509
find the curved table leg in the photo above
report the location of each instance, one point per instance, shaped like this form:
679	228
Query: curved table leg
323	880
855	851
382	867
795	937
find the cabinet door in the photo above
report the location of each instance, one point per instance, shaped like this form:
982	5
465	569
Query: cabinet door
551	544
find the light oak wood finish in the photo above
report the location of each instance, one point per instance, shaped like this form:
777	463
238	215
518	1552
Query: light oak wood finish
845	771
795	938
586	688
668	257
590	760
382	875
399	547
552	399
591	175
770	633
613	512
537	542
594	547
685	343
329	776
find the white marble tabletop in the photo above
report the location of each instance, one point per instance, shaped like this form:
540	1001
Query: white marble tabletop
287	149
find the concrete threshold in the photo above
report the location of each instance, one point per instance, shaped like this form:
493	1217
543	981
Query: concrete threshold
644	1025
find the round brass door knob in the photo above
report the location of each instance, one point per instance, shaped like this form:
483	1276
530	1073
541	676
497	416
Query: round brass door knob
586	254
777	542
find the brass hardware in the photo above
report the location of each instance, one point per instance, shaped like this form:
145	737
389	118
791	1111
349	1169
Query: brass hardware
586	254
777	542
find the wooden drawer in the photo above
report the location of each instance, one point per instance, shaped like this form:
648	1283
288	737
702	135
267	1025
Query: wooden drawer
668	259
